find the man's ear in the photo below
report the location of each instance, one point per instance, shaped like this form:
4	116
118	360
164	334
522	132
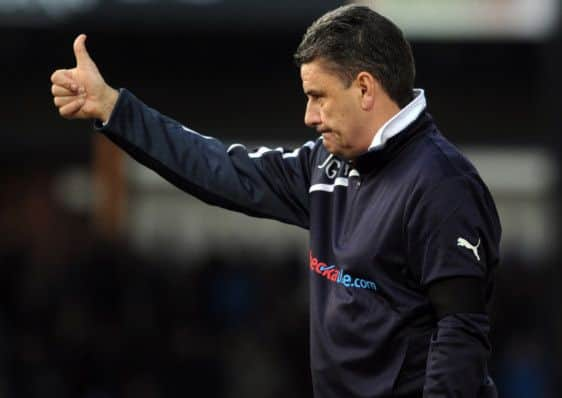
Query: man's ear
369	87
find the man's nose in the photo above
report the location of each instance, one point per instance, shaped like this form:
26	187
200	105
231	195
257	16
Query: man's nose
312	116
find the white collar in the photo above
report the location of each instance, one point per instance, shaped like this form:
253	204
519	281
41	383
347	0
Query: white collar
401	120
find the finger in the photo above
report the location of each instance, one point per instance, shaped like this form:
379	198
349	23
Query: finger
60	91
69	110
62	101
81	53
63	78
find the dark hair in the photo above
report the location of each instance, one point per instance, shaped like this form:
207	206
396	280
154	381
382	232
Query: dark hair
355	38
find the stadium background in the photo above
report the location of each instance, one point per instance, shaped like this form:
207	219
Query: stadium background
115	284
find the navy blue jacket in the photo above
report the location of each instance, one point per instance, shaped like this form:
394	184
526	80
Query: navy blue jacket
384	230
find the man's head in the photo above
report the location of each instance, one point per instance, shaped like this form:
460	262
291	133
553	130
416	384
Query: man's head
359	61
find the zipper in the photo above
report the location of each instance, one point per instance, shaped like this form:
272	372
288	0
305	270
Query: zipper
355	185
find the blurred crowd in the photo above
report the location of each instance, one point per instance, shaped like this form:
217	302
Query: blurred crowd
83	317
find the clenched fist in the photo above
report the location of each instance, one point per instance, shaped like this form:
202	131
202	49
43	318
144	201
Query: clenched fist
81	92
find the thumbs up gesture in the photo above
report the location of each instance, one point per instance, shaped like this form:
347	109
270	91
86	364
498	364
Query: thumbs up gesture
81	92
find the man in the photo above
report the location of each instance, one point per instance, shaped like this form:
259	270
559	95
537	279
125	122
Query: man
404	234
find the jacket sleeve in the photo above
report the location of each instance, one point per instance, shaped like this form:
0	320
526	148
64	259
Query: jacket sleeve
459	348
456	363
270	183
453	241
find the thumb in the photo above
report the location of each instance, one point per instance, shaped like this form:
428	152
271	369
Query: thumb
80	52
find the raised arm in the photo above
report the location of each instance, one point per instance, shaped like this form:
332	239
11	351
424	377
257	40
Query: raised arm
264	183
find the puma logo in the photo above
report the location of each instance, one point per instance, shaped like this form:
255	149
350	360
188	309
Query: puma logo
461	242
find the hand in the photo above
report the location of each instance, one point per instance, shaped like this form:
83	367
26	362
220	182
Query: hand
81	92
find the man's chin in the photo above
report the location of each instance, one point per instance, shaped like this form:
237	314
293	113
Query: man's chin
335	150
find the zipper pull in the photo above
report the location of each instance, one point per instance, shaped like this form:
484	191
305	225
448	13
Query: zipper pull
355	177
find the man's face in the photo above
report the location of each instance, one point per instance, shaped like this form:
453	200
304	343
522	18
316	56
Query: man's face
334	110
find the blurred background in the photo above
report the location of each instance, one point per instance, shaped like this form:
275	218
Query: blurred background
116	284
